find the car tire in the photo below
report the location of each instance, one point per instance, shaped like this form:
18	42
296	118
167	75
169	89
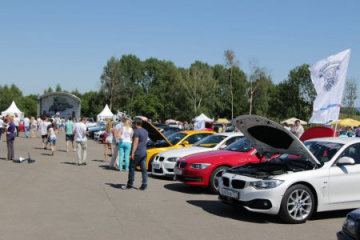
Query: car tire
149	167
297	205
213	182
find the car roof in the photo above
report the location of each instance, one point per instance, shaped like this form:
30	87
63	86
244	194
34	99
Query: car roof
231	134
343	140
195	132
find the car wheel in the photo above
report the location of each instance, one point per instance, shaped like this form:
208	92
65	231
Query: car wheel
213	181
297	204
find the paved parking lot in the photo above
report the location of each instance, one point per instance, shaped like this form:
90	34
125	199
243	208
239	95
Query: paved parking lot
55	199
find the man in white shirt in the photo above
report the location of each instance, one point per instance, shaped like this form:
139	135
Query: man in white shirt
44	131
298	130
81	141
26	126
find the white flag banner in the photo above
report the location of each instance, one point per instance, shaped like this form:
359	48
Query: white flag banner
329	76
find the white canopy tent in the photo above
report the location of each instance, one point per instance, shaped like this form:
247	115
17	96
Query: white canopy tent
199	121
12	110
291	121
105	114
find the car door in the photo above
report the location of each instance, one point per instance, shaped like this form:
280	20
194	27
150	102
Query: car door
344	180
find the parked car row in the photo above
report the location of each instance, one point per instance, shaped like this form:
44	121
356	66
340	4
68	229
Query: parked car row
265	168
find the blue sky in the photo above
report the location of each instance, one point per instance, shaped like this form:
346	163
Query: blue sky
43	43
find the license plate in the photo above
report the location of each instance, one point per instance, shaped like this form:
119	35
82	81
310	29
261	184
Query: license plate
230	193
156	165
177	171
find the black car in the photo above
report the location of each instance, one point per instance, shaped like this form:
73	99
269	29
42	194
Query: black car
351	227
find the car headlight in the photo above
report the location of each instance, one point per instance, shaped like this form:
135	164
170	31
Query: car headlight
266	184
200	165
173	159
350	226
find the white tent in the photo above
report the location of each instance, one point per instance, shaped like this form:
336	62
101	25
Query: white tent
291	121
105	114
12	110
199	121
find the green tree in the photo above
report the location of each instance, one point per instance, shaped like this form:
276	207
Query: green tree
350	95
9	94
110	79
49	90
231	63
58	88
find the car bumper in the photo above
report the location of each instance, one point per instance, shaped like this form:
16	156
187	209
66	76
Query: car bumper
341	235
165	169
262	201
193	177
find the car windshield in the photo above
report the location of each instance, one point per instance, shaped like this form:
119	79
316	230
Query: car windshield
210	141
169	132
323	151
176	137
241	145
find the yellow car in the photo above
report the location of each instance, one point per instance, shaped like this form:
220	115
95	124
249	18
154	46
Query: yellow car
161	143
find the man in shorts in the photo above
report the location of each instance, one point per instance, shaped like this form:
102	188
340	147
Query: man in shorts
69	134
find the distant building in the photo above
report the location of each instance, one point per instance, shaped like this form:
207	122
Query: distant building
59	104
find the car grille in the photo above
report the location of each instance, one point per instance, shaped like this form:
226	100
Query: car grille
158	170
157	158
238	184
226	182
182	164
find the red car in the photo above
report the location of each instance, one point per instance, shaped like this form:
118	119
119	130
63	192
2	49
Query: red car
203	169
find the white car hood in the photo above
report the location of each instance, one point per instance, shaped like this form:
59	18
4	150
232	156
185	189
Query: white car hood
181	152
269	137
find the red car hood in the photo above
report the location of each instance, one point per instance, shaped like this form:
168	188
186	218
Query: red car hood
214	155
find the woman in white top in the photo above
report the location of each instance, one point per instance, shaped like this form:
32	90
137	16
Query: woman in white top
108	140
125	135
52	138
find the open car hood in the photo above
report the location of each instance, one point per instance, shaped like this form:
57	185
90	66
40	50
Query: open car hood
269	137
154	134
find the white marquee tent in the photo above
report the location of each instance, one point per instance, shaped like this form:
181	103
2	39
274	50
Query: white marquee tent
105	114
12	110
199	121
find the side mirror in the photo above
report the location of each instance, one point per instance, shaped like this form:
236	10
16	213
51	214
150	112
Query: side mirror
185	143
345	161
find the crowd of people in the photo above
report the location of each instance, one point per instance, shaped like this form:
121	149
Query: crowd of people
126	140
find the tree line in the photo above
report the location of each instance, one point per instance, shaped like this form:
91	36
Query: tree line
160	90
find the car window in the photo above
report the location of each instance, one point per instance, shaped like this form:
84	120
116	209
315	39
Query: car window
196	137
176	137
241	145
210	141
323	151
353	152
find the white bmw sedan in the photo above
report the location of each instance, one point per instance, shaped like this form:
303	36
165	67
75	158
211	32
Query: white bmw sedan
164	163
320	174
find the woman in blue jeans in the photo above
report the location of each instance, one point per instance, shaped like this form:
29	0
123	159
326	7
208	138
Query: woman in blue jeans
126	134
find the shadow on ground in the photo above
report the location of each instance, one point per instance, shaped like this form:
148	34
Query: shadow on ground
182	188
119	186
107	167
237	213
69	163
97	160
330	215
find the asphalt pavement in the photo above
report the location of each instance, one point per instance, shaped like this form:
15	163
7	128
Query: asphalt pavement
55	199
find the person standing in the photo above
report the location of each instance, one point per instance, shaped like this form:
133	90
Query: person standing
108	140
52	137
44	131
10	138
1	126
126	135
81	141
116	143
298	130
26	126
33	127
138	155
69	134
17	124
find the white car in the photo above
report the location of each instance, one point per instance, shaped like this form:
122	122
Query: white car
321	174
97	135
164	162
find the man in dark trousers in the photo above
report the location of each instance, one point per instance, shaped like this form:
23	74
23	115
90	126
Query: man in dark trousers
138	155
